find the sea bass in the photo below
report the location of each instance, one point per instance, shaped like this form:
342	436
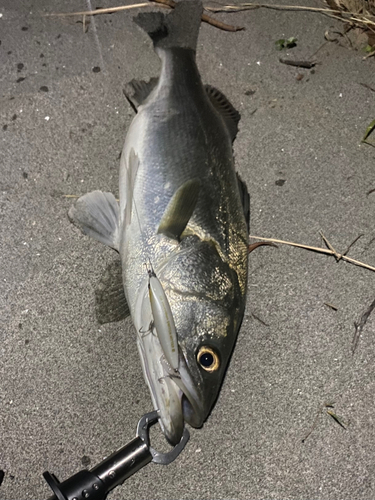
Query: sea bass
181	227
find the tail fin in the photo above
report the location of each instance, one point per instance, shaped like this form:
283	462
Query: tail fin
178	29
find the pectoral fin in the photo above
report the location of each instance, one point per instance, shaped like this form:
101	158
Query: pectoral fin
180	209
96	214
111	304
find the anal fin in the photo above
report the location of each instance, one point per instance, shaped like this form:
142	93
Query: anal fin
111	304
97	214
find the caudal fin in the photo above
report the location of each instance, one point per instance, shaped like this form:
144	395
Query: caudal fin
178	29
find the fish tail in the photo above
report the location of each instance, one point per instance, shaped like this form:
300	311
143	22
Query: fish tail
179	29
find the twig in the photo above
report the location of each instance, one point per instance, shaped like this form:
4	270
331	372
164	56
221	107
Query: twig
331	306
337	255
253	246
351	244
298	64
319	49
164	3
109	10
316	249
258	319
319	412
337	419
367	87
368	55
333	13
359	326
205	18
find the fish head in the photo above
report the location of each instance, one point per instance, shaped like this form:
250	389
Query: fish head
207	307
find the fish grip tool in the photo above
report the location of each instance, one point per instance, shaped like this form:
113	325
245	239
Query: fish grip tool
96	483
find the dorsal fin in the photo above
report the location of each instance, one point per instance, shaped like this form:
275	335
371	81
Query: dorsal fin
137	91
180	209
230	115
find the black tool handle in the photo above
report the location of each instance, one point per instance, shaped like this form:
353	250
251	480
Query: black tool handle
96	483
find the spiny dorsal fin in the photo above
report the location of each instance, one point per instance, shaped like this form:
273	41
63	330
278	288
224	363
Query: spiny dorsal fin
137	91
230	115
180	209
111	304
96	214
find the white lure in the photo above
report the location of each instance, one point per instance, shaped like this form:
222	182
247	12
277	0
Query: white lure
163	320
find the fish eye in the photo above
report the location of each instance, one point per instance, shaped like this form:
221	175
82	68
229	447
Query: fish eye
208	359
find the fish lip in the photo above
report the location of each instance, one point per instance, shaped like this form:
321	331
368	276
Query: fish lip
173	393
180	386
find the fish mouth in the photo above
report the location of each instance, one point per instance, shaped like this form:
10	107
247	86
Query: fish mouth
173	392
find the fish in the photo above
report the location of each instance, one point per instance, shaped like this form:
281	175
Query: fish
181	227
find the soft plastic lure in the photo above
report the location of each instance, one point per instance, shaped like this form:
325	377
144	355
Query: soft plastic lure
163	320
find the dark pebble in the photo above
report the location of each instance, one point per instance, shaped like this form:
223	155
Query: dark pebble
250	92
9	52
44	88
20	66
27	341
24	28
86	461
14	117
5	127
280	182
25	175
20	79
41	55
96	69
1	476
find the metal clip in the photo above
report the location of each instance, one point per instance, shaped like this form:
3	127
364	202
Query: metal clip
158	457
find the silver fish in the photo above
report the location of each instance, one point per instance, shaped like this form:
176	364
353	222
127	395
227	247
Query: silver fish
181	227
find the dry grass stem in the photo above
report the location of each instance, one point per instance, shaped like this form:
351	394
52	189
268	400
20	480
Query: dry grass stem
317	249
109	10
162	3
364	19
359	326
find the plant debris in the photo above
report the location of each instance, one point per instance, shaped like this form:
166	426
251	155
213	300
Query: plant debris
337	419
331	306
368	132
258	319
329	251
253	246
159	3
328	407
288	43
359	326
367	87
298	64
